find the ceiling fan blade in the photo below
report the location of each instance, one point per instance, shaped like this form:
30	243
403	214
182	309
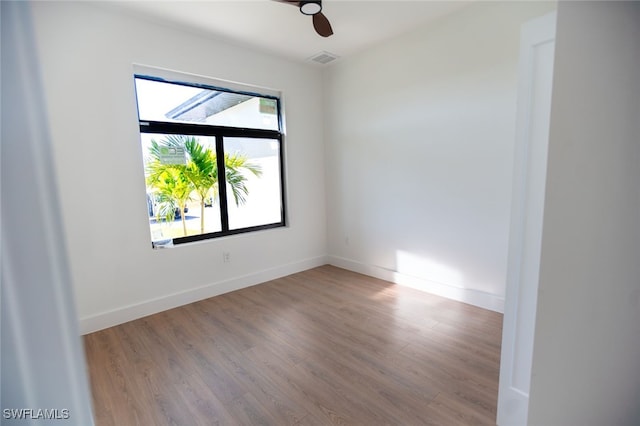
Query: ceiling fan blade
322	25
294	2
320	22
291	2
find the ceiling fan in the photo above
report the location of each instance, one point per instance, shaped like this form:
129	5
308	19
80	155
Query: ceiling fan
314	9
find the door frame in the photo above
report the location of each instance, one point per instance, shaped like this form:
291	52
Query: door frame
537	46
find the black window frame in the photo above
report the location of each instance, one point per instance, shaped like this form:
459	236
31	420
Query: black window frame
220	132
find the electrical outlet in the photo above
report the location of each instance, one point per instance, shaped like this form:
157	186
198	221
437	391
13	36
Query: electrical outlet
226	257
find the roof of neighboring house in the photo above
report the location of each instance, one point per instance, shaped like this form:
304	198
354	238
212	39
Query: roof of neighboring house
205	104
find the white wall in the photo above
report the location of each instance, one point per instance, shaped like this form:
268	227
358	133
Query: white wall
420	135
87	55
586	363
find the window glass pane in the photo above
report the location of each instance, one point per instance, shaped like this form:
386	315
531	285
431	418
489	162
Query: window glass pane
182	188
253	181
162	101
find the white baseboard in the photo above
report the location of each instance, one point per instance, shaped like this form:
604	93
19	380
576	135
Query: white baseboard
114	317
472	297
131	312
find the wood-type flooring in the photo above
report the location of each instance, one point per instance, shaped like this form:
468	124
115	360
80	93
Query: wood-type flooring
321	347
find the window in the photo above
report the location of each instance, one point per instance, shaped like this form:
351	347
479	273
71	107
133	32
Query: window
212	160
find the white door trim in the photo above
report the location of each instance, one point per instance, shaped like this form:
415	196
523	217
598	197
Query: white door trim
43	365
537	44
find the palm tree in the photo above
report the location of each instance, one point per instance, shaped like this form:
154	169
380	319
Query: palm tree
202	170
235	165
199	175
172	187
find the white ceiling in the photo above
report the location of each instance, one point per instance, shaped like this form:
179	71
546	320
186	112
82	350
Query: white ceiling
281	29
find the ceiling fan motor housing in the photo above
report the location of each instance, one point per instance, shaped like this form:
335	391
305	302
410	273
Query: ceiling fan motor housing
310	7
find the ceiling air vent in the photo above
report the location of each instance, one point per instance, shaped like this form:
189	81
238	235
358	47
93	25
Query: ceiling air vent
323	58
